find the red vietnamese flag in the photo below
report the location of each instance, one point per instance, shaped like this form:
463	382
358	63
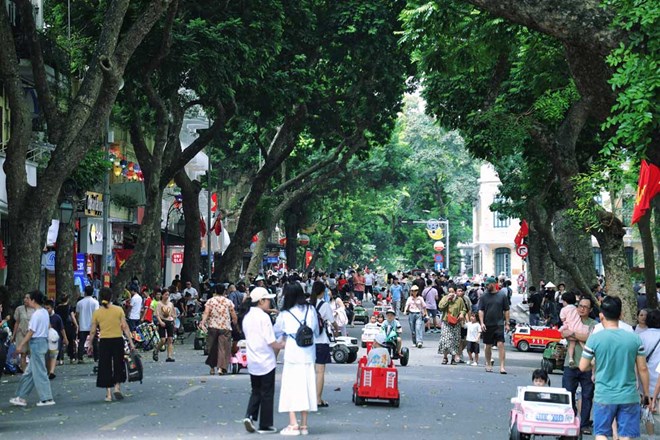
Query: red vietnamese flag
217	226
214	202
647	188
522	233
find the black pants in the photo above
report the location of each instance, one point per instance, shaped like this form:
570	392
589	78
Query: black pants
70	331
82	337
111	363
262	396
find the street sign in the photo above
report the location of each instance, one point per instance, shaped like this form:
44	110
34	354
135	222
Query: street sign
438	266
177	258
438	258
522	251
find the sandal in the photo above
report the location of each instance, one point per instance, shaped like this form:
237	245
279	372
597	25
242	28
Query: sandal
119	395
212	372
303	430
453	362
445	361
291	430
108	399
489	369
323	404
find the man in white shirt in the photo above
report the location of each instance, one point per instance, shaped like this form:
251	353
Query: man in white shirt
190	289
262	350
136	309
368	283
84	311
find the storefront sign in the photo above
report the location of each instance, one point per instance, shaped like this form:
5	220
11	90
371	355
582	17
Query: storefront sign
177	258
93	204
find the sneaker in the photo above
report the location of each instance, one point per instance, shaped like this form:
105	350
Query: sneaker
155	356
271	430
419	345
249	425
52	376
17	401
169	360
585	430
46	403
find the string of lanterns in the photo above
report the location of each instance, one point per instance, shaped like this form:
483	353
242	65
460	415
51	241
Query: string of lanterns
122	167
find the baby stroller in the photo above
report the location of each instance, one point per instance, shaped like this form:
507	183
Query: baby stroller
146	336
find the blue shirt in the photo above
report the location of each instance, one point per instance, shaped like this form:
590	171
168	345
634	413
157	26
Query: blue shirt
616	352
396	290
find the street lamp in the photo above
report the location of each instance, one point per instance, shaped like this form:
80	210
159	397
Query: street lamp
66	211
180	226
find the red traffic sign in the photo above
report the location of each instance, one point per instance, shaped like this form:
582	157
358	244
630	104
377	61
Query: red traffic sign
522	251
438	258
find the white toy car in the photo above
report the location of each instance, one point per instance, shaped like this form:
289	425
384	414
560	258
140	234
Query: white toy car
344	350
543	411
369	332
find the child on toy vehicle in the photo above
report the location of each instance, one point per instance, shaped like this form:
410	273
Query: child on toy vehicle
391	328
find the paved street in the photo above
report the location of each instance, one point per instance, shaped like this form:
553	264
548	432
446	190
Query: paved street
179	400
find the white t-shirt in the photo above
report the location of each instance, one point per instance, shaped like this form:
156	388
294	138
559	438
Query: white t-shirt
259	335
85	309
287	325
368	279
136	306
473	329
39	323
192	291
326	314
622	325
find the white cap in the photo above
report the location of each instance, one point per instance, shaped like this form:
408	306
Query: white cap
259	293
549	285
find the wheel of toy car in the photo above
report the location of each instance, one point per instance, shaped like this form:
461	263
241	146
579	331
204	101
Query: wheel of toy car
352	357
198	344
523	346
547	365
514	434
357	399
235	368
394	402
405	355
364	344
340	354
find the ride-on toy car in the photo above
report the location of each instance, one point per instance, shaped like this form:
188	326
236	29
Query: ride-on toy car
376	383
525	337
543	411
368	333
553	357
380	310
361	314
344	350
238	360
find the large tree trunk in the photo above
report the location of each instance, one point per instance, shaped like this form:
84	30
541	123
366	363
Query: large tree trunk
576	246
644	226
540	266
617	273
192	258
64	259
153	263
256	262
24	255
291	231
148	234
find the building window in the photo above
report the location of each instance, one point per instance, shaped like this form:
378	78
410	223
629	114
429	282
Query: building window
598	261
503	262
499	221
630	256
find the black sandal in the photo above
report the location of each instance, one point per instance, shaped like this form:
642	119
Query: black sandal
453	362
445	361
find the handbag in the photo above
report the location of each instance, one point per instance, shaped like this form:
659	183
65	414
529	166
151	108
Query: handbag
451	319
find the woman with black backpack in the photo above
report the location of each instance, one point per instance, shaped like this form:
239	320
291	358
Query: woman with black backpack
297	322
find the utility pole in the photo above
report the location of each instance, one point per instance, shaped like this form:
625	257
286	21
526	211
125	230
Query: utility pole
110	135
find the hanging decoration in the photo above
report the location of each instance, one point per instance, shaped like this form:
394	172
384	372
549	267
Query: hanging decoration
123	167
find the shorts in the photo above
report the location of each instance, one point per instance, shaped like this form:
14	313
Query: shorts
432	313
167	331
473	347
627	417
322	354
493	334
52	354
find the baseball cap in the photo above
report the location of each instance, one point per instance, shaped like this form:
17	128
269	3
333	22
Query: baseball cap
380	338
390	311
259	293
491	280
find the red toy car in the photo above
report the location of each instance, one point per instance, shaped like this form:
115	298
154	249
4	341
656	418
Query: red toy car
525	337
376	383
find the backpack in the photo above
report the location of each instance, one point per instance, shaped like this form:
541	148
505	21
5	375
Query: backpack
323	324
304	336
474	296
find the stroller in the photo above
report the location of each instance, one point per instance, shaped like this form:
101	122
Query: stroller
146	336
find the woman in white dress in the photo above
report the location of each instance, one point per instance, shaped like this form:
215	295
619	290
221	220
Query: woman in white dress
298	389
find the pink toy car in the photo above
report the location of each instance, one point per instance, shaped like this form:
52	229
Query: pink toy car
239	359
543	411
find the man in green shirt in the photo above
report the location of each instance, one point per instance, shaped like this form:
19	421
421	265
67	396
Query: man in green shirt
617	353
573	376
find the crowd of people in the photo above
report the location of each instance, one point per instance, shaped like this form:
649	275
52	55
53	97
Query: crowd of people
606	357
